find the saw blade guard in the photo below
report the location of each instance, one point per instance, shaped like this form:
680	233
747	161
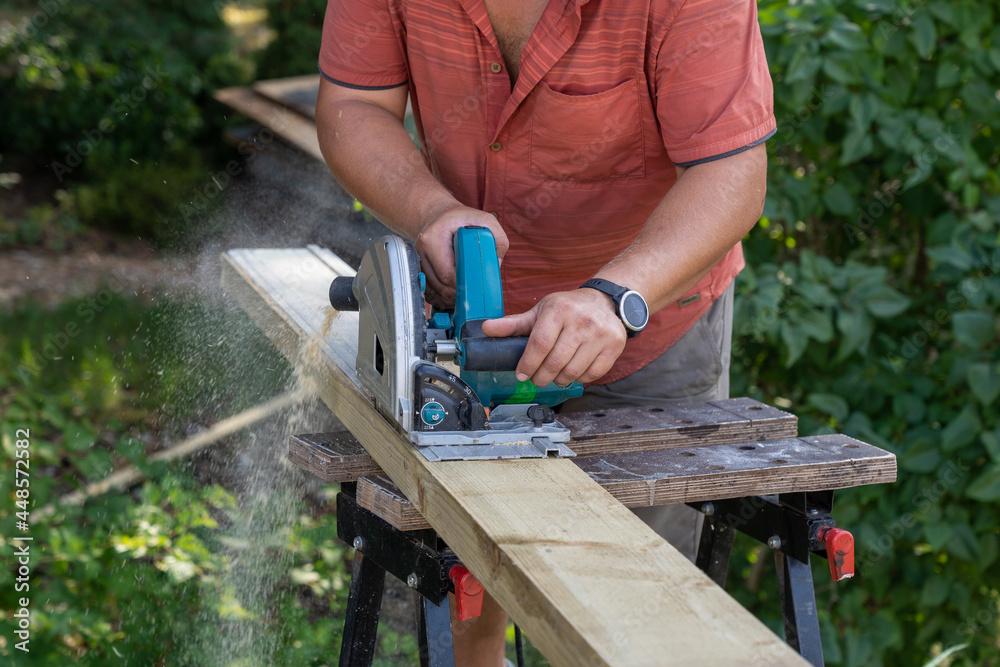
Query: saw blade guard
392	325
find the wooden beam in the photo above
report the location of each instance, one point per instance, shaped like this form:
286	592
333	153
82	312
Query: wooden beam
332	457
692	474
648	429
295	92
382	498
715	472
291	126
588	581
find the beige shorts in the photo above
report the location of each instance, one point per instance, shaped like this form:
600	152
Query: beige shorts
695	368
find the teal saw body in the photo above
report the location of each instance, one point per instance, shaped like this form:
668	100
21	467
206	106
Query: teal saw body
479	297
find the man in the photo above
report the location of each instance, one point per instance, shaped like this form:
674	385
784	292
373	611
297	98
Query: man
597	140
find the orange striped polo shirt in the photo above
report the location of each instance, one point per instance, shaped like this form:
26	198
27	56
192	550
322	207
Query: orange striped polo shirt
572	160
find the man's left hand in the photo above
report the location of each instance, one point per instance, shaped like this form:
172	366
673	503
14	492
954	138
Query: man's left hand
573	336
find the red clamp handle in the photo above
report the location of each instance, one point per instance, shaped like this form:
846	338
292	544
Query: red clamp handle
468	593
839	551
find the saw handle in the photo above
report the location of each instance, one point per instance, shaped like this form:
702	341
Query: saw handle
484	353
342	293
493	354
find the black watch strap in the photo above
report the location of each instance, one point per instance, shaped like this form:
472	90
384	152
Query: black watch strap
613	290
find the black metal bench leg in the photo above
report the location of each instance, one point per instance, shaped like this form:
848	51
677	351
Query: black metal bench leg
434	634
363	606
714	549
798	607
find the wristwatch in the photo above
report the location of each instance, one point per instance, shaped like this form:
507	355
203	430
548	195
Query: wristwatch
631	307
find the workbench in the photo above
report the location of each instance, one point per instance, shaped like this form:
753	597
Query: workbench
551	539
737	460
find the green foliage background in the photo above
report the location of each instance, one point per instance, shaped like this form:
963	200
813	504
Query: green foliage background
870	306
112	98
298	30
155	574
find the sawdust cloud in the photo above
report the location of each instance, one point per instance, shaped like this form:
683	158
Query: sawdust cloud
272	495
231	367
284	201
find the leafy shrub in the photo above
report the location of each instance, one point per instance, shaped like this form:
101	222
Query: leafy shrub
148	575
143	199
298	28
115	95
52	227
870	305
133	73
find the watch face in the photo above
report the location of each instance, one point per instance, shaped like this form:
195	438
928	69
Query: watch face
634	311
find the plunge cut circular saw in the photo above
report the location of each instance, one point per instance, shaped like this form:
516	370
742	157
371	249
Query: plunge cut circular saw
483	411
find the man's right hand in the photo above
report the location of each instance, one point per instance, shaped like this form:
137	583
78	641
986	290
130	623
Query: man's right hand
435	245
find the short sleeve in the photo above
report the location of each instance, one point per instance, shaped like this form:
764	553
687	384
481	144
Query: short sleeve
713	91
361	46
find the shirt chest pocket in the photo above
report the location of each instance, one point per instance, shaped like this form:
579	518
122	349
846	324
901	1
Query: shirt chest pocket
587	138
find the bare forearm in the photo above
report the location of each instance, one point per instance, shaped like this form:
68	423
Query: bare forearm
710	208
373	158
363	140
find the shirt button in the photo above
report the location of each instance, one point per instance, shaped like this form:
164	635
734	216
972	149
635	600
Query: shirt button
495	146
495	214
495	67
